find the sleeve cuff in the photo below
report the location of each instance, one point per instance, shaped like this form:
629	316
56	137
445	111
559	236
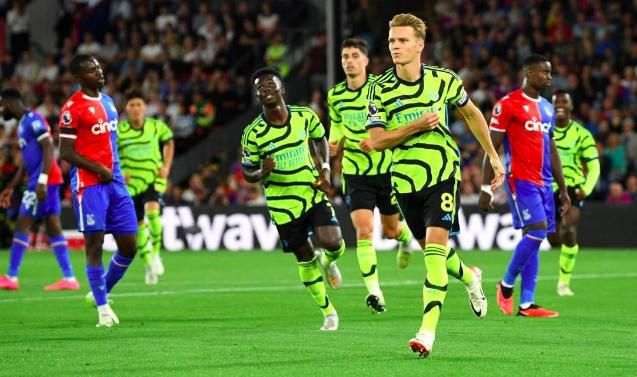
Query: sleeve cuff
43	136
375	125
496	129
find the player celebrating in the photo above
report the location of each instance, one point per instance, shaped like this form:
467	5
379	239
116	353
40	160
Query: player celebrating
575	145
408	114
524	121
42	196
88	141
276	151
146	152
366	177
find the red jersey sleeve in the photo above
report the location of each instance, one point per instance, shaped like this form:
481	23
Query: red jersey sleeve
68	121
501	116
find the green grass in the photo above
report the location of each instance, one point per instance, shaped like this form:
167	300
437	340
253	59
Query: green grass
246	314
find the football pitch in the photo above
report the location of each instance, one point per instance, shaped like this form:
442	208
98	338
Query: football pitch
247	314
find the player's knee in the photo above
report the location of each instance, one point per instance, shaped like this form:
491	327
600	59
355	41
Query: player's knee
332	243
390	232
538	234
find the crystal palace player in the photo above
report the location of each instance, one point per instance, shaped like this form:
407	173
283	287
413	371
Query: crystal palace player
523	120
88	132
42	196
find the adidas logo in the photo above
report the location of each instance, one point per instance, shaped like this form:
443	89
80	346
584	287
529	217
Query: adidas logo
446	217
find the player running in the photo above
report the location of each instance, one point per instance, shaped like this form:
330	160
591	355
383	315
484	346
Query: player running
88	141
407	113
42	196
276	151
146	150
576	147
366	177
523	120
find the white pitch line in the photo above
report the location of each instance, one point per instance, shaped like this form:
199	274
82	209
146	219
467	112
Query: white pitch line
399	283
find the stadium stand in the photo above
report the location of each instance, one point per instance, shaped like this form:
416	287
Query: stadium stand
192	60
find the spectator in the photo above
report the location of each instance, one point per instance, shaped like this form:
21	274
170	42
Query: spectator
165	19
267	20
27	69
617	195
89	46
616	154
50	71
109	50
628	140
18	28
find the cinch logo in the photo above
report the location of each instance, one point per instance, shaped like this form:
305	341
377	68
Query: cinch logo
103	127
534	125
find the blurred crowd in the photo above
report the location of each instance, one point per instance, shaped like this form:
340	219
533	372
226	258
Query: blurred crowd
193	59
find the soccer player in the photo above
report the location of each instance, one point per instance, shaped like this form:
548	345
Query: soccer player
88	141
408	113
42	196
523	120
146	150
576	147
276	151
366	177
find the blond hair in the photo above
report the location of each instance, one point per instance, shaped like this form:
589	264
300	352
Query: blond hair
408	19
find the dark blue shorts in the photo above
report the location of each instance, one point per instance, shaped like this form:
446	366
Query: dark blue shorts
105	208
530	203
49	207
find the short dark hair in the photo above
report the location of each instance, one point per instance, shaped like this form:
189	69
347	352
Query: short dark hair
76	62
133	93
358	43
265	71
534	59
11	94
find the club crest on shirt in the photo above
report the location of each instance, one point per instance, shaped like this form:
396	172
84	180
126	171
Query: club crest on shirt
66	118
91	109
